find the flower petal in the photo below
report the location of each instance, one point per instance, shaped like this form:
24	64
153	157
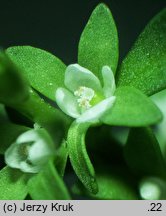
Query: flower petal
28	168
95	113
29	136
109	81
77	76
40	152
41	149
12	158
67	102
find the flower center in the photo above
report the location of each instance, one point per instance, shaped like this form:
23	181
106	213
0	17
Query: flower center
84	95
24	150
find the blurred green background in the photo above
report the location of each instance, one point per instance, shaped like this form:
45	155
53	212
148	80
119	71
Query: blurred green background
56	25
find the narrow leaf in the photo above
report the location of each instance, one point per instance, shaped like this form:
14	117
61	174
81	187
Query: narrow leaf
12	184
47	185
44	71
98	45
143	154
145	65
133	109
79	157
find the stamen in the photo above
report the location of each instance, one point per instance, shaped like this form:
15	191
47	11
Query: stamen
24	150
82	102
85	95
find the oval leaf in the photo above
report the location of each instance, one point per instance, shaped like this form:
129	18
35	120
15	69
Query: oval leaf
98	45
79	157
44	71
145	65
133	109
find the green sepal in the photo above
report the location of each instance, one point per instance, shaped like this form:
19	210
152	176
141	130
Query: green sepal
48	185
145	65
78	156
98	44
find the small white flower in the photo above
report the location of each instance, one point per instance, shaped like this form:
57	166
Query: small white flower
30	151
86	99
152	188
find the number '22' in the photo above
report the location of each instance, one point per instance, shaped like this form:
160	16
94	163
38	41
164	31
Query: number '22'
156	207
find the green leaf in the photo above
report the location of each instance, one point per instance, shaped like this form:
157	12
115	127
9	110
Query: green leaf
44	71
143	154
79	157
47	185
8	134
12	184
37	110
133	109
13	87
99	42
111	187
145	65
